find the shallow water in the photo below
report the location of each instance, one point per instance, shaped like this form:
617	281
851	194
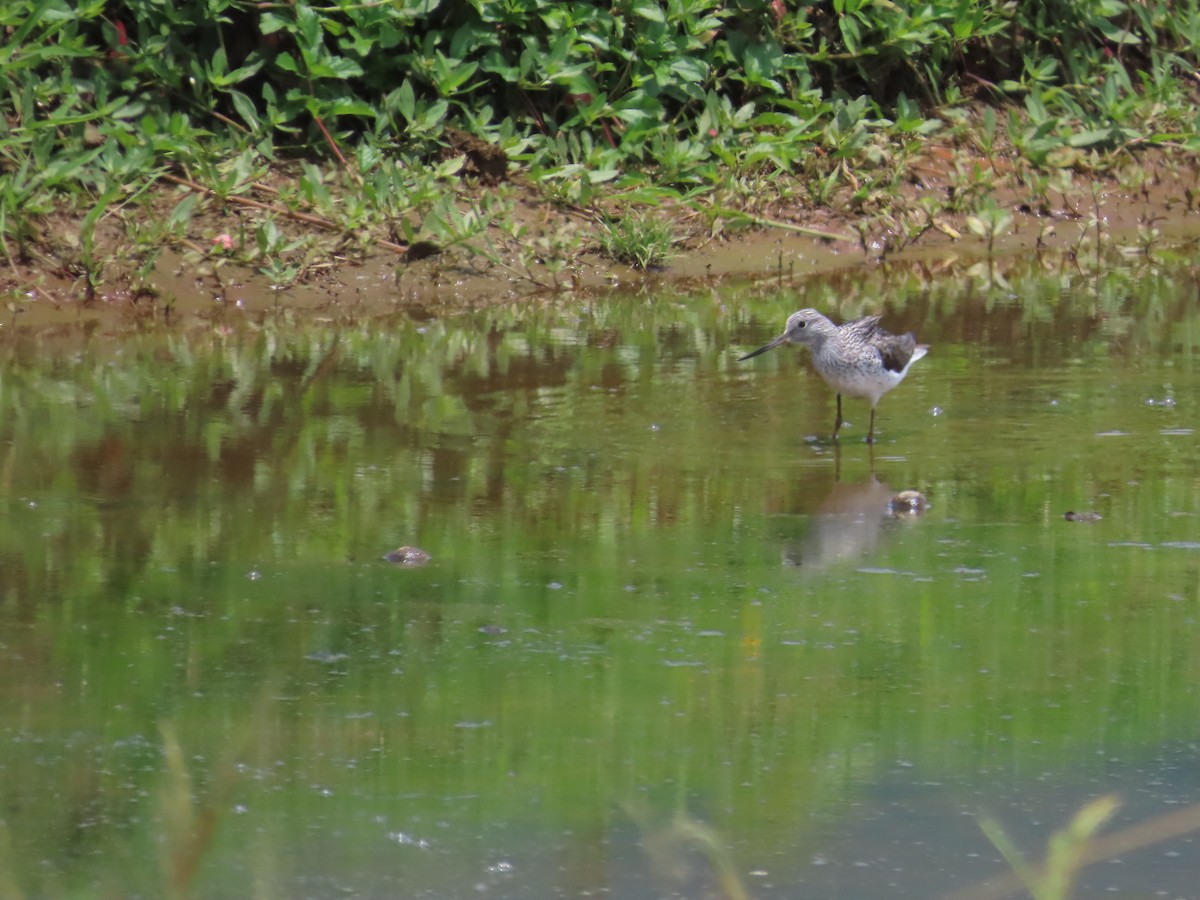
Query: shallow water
669	642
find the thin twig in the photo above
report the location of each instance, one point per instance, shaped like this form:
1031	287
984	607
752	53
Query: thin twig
786	226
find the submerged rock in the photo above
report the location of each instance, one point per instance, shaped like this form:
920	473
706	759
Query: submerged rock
912	502
409	557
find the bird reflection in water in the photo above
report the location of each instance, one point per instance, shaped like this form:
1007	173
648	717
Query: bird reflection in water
851	522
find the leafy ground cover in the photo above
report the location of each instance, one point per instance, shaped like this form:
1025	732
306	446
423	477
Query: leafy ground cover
549	143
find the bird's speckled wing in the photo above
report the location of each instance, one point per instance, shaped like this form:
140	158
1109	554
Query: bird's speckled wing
895	350
865	328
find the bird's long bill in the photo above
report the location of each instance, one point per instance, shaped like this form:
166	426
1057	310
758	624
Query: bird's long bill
771	346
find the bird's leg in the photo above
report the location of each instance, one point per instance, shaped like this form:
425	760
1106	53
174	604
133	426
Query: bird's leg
871	428
837	424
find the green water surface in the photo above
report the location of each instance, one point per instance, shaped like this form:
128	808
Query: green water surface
669	641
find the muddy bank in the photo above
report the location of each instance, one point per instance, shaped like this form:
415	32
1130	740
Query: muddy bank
186	288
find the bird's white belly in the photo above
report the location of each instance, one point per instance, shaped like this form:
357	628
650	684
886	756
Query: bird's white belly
864	385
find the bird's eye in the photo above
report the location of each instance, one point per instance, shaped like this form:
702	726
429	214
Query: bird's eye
803	323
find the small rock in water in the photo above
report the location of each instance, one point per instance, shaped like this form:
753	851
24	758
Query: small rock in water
1071	516
913	502
409	557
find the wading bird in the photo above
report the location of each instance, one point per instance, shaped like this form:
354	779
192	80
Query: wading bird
858	359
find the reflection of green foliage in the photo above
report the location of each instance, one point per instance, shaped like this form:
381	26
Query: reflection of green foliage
607	496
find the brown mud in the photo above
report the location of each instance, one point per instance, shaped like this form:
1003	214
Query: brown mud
43	293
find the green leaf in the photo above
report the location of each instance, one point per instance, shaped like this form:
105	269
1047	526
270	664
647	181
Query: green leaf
310	26
219	65
336	67
242	73
102	206
1116	34
349	106
450	167
851	36
288	63
406	101
245	108
1089	137
454	75
182	213
432	115
649	10
689	69
1035	107
269	23
599	176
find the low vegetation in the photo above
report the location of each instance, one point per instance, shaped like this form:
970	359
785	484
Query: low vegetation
288	136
